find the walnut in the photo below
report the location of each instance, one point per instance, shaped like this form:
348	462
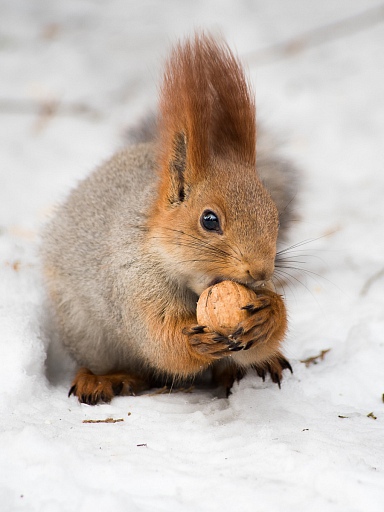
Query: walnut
220	306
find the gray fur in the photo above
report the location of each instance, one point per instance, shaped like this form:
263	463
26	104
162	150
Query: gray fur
95	265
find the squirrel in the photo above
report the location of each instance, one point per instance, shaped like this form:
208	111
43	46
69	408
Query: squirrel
127	255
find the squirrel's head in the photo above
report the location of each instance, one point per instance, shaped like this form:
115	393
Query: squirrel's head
213	219
223	226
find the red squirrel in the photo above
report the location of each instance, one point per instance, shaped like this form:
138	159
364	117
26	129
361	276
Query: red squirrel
126	257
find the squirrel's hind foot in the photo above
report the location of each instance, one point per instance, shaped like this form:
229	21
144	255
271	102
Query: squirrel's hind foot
91	389
274	367
226	375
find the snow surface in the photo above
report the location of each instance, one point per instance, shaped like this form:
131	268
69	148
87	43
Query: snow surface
309	446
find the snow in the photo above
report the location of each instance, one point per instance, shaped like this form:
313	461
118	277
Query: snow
309	446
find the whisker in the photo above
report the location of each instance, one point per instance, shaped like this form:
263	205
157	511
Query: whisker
290	201
285	279
296	254
318	278
192	244
201	241
282	272
299	269
287	260
300	244
198	243
215	249
302	284
301	250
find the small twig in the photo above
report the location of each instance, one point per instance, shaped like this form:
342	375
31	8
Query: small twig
46	107
318	36
160	391
167	390
315	359
371	415
190	389
108	420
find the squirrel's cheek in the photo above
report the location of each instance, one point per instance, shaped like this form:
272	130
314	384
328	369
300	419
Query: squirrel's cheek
199	282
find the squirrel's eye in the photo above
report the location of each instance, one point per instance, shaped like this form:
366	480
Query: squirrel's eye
210	221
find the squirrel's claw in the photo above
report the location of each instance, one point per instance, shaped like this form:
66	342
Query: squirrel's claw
216	344
198	329
210	344
72	391
194	329
91	389
274	367
263	302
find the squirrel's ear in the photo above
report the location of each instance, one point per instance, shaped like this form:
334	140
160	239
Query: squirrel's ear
176	167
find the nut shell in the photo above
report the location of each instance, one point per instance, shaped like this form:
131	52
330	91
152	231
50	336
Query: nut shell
219	306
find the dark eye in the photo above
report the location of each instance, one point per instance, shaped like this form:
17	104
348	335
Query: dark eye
210	221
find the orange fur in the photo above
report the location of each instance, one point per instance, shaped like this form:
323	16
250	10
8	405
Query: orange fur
91	389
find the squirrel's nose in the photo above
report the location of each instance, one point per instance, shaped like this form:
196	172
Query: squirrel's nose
260	275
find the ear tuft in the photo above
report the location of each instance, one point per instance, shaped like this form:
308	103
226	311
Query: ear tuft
207	110
177	166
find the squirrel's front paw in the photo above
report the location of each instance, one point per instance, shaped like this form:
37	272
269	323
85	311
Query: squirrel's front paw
212	345
267	321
